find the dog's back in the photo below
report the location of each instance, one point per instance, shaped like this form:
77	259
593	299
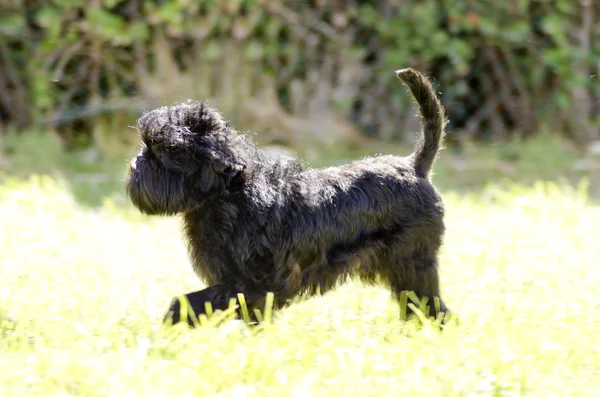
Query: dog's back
387	189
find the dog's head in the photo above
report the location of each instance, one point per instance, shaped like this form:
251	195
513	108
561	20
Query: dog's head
188	154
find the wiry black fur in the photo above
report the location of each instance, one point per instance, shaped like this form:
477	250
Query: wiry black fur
256	224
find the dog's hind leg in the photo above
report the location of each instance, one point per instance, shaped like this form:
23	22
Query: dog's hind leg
417	274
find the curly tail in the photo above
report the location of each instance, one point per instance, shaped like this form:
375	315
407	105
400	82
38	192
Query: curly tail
433	120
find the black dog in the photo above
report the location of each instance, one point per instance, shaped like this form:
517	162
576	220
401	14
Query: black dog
256	224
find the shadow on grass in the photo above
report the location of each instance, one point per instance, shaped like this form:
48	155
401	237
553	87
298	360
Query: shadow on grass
94	175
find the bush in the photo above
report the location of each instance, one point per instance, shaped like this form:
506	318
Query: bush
503	69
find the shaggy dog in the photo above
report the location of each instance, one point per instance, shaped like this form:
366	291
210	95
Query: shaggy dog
256	223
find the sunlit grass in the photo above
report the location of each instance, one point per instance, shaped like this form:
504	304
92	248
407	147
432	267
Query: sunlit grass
82	293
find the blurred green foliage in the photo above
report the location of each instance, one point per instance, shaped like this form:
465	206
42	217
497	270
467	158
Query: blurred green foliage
503	67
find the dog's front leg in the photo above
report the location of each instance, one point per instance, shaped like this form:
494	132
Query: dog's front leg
218	296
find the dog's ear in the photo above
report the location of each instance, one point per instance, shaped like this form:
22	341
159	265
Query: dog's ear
224	162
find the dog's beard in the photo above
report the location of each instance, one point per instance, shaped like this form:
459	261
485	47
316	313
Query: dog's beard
154	190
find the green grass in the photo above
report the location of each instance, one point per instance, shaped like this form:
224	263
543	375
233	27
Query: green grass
83	290
85	281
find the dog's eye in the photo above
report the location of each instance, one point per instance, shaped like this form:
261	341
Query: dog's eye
146	147
146	151
151	150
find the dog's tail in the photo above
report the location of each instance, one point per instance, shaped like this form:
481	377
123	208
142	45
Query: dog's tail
433	120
